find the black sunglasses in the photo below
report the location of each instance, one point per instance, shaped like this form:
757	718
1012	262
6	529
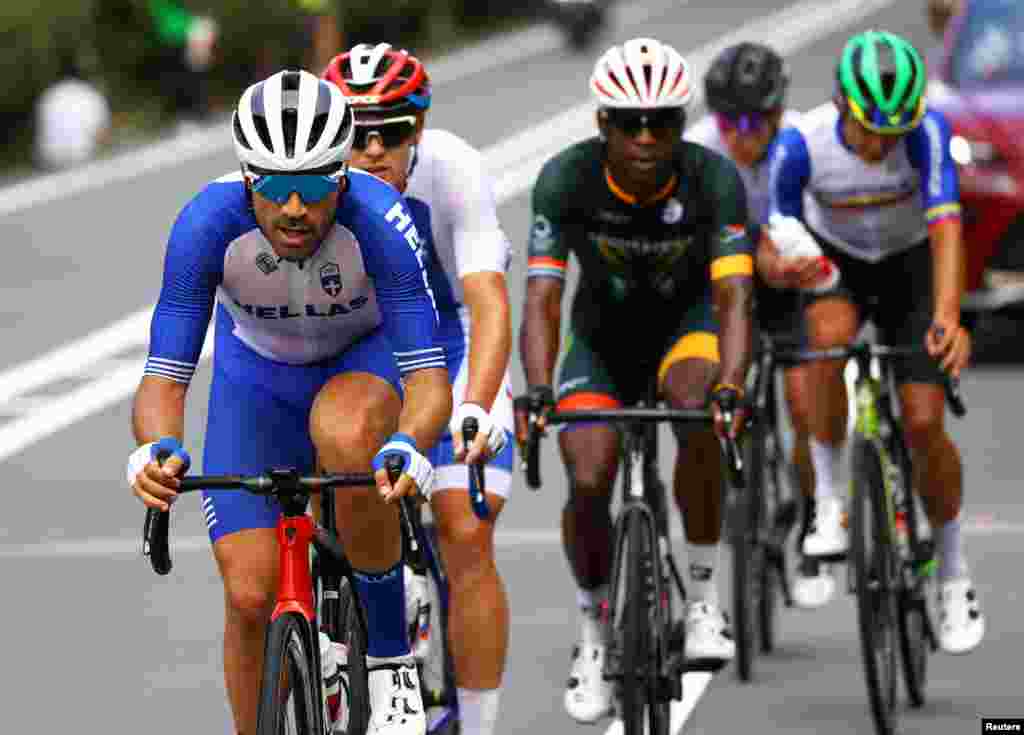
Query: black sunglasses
659	122
391	132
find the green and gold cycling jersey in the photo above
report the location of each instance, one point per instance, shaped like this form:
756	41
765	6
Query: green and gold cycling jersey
642	264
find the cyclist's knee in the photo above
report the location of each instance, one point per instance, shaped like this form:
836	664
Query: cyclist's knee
831	322
370	408
590	455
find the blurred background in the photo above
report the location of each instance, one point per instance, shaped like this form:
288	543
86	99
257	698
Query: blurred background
95	74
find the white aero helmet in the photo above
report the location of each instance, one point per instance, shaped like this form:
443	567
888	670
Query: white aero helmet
642	73
293	122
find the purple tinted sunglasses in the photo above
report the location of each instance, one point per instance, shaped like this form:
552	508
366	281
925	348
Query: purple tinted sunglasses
746	123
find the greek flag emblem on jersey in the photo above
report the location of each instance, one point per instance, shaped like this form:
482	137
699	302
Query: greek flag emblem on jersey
330	279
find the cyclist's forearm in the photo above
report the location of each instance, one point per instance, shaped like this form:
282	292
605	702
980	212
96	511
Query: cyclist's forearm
158	409
490	332
427	406
948	267
734	302
539	336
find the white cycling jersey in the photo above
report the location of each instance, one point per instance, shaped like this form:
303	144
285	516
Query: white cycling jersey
869	211
451	198
755	178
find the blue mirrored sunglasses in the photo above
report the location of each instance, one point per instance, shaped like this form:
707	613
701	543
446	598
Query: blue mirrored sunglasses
311	188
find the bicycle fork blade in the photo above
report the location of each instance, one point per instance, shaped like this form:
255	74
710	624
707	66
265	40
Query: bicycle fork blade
695	683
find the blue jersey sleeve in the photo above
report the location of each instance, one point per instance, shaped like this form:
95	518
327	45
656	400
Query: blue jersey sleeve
394	257
193	268
789	171
928	151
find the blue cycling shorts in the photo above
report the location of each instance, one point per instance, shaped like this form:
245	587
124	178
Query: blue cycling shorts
258	418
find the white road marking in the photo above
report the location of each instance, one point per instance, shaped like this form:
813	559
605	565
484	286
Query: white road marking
515	163
981	525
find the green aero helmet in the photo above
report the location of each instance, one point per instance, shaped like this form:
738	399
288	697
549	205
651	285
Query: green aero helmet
881	77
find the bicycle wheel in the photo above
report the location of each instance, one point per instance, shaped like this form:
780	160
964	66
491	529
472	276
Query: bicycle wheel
290	700
748	567
635	647
352	632
874	563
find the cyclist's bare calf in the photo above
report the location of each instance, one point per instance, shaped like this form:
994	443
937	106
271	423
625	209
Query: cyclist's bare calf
352	417
591	459
698	474
478	618
248	562
831	322
936	459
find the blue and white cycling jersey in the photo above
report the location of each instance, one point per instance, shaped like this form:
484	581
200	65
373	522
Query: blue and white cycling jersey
869	211
360	303
452	202
368	272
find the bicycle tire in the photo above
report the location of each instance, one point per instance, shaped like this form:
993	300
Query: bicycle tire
915	641
290	700
352	632
747	555
638	669
875	582
778	514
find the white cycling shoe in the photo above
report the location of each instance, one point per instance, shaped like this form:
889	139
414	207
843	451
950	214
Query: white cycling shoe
396	707
961	623
708	637
588	697
813	586
828	536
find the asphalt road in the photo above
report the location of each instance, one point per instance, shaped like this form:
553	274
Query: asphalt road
103	645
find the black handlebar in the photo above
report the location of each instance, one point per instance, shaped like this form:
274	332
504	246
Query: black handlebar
274	482
531	464
865	351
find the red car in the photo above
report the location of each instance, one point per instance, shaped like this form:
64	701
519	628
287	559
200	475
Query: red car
978	82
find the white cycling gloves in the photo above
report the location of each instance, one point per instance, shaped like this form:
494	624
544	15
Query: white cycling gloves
414	464
496	435
794	241
166	447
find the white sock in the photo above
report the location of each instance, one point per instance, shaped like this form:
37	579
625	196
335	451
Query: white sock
949	542
590	623
827	461
478	710
703	560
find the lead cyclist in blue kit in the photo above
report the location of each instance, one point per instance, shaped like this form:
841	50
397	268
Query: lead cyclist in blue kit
324	355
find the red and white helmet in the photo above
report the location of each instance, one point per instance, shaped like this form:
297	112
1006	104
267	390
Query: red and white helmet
380	79
642	73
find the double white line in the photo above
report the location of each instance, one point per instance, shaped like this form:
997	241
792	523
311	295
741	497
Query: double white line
113	357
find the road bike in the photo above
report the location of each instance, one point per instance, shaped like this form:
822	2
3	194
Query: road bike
760	520
645	633
292	700
332	590
892	566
